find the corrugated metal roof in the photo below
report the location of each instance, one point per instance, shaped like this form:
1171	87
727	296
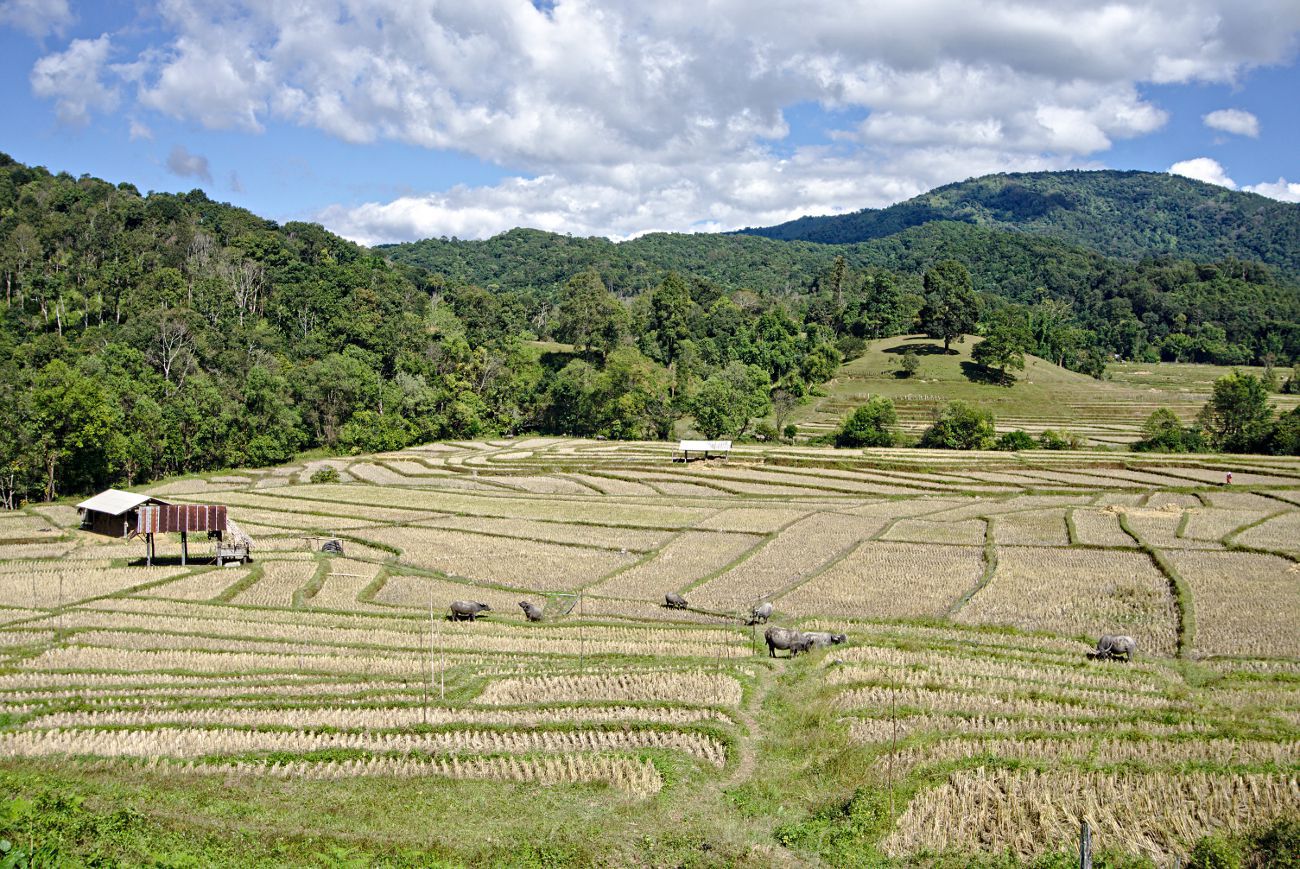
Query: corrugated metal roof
114	502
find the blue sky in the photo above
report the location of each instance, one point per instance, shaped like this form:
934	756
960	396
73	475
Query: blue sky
389	120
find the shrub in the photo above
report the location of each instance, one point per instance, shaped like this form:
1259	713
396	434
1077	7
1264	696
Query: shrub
1163	432
911	362
1013	441
326	474
960	426
1215	852
870	425
1277	846
790	431
1059	440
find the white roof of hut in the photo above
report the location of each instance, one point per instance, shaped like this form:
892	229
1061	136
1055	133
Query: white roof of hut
115	502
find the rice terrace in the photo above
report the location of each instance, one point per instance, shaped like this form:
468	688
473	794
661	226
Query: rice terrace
320	706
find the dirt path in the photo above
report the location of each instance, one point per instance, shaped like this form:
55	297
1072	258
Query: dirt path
747	743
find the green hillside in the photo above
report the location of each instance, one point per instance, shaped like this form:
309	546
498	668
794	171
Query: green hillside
1119	214
1044	396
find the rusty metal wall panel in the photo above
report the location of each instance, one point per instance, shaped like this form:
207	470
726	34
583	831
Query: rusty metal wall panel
174	518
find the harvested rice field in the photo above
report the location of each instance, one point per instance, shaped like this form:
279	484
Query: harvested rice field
960	721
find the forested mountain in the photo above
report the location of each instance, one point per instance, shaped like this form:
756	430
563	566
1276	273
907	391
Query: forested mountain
161	334
149	335
1120	214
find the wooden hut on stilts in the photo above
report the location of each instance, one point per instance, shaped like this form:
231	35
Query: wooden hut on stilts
115	513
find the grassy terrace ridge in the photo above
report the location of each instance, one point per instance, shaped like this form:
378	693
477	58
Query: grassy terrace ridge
1106	412
307	710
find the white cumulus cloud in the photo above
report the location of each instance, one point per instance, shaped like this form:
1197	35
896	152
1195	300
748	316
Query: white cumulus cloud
39	18
1237	121
1204	169
618	117
72	78
1287	191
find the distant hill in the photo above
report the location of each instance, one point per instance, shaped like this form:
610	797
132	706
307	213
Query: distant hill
1120	214
1010	264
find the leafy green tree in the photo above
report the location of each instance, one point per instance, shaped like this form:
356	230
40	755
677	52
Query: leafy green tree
670	313
728	400
870	425
1164	432
910	363
74	418
588	316
371	432
1285	438
1003	347
1238	417
951	307
960	426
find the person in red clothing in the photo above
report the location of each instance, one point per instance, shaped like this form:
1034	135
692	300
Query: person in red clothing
1229	478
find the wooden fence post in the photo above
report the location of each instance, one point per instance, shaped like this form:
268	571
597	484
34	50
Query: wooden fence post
1085	846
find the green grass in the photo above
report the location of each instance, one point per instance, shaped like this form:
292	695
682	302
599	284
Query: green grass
1043	396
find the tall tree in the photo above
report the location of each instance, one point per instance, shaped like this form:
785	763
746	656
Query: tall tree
951	307
670	316
730	399
588	316
1238	417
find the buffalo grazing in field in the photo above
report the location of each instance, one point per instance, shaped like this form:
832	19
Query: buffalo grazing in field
784	638
1114	647
467	610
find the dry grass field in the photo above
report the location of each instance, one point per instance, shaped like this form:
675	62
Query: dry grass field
961	718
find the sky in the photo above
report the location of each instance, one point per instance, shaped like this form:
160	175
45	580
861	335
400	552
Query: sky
395	120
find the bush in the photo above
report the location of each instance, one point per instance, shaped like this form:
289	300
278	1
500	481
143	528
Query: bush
960	426
790	431
911	362
1163	432
1277	846
1054	440
326	474
871	425
765	431
1215	852
1014	441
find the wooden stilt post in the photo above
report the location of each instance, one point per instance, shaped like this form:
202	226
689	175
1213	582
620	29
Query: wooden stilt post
148	549
185	548
1085	846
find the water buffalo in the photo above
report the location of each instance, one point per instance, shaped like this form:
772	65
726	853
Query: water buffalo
462	610
1117	647
761	613
781	638
825	638
531	610
674	601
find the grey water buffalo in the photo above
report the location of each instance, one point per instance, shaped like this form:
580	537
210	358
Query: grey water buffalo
467	610
783	638
825	638
531	610
1114	647
674	601
761	613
